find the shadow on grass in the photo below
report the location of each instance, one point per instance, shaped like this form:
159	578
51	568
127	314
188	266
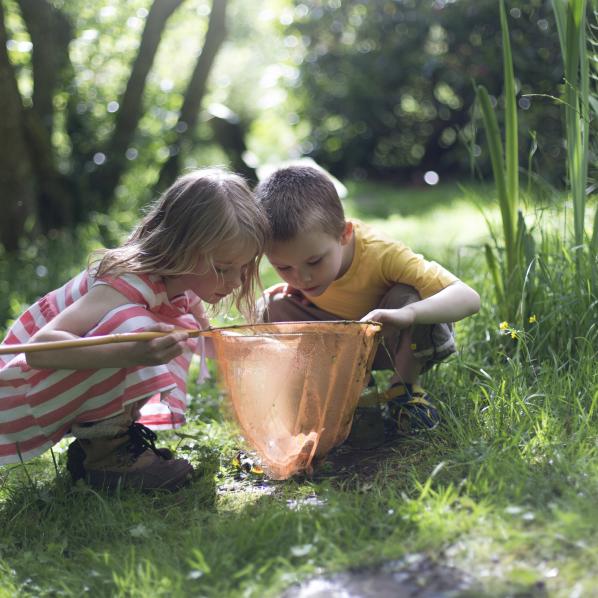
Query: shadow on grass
345	462
60	538
359	514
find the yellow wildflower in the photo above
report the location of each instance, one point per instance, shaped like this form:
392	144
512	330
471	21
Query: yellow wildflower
503	326
513	334
533	319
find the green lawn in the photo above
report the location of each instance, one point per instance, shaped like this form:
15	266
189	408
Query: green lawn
503	492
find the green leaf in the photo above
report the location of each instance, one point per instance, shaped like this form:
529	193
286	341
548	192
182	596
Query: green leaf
511	141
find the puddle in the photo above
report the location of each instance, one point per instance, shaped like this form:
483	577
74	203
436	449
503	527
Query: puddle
309	501
415	576
246	487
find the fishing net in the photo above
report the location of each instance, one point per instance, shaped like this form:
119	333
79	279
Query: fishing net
294	386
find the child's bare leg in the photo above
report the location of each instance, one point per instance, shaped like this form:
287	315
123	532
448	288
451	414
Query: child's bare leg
407	366
404	406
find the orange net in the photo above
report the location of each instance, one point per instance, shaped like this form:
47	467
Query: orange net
294	386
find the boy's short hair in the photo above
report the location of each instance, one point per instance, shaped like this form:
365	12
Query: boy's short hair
297	198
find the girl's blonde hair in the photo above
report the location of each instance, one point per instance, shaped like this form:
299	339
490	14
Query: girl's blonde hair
201	212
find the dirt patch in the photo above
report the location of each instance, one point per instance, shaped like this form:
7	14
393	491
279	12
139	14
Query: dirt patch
346	461
341	463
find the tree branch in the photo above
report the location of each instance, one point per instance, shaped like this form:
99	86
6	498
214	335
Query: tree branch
187	121
106	178
51	33
230	132
16	179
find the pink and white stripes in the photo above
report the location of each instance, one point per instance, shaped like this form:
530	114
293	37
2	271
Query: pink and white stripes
38	407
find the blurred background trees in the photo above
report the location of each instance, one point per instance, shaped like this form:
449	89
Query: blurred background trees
61	155
103	103
391	83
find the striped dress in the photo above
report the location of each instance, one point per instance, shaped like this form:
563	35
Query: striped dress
39	406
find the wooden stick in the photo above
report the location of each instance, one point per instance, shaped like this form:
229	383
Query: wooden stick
124	337
129	337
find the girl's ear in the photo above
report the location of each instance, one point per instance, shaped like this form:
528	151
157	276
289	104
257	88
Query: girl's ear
347	233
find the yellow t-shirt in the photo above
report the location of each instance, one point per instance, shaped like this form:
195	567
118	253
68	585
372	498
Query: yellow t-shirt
377	265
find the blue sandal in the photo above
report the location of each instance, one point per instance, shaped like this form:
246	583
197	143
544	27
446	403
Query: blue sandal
407	409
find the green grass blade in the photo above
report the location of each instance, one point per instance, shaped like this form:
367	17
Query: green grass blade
496	158
511	141
594	243
571	23
559	8
494	270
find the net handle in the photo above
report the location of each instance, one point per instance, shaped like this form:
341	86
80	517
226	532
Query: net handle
129	337
92	341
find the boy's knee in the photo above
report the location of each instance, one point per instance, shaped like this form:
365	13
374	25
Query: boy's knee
269	311
275	307
261	309
398	296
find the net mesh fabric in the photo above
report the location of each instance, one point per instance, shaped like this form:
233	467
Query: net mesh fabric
293	386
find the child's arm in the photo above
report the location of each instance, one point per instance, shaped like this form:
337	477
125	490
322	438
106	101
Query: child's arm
453	303
80	317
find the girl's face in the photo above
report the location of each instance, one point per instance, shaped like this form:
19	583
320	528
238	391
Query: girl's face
214	284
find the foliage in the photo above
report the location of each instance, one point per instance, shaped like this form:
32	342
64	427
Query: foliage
516	277
386	86
504	489
571	21
43	266
77	110
508	275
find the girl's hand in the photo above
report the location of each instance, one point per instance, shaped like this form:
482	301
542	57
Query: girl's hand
159	350
399	318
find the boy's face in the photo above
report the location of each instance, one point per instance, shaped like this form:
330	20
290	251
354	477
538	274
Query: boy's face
312	260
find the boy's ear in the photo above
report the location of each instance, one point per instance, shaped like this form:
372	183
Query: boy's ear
347	233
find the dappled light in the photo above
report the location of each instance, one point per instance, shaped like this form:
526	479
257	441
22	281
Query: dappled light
442	451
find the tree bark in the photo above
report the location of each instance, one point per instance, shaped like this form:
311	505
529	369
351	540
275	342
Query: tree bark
194	94
17	188
230	135
107	176
51	33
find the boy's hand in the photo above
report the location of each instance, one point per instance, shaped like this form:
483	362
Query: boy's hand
399	318
285	288
159	350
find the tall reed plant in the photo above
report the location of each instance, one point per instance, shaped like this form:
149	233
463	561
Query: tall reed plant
511	274
571	24
593	100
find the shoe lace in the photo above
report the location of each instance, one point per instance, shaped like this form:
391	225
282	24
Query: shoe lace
141	439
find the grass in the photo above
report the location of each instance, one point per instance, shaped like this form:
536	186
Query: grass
504	490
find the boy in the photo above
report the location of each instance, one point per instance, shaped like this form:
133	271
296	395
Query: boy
341	269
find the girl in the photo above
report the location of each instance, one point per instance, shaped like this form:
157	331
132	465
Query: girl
201	241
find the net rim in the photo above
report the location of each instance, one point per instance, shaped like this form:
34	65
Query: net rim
318	324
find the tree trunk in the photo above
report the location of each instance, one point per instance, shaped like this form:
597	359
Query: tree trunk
187	121
229	132
51	33
17	188
105	179
31	187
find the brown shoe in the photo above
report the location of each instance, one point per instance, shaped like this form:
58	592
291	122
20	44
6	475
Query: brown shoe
129	460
